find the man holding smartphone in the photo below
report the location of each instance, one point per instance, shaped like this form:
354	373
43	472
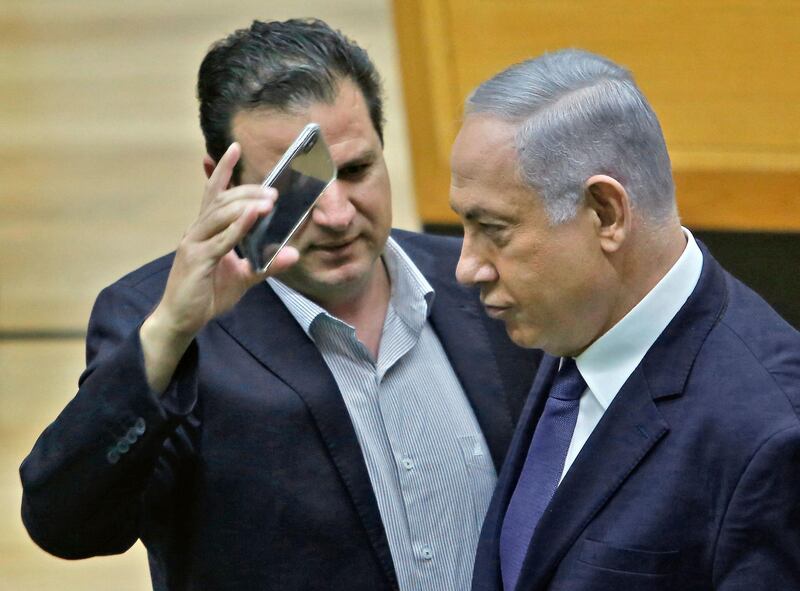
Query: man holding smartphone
335	425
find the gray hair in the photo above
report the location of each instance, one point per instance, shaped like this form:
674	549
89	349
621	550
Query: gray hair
580	114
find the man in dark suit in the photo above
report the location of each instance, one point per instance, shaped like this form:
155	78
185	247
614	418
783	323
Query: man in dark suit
660	447
333	427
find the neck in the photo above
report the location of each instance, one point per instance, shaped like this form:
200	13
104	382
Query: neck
651	255
657	253
366	309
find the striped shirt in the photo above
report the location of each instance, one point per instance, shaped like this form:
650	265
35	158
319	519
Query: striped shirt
427	460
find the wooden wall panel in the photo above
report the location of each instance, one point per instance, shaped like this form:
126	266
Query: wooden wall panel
100	170
721	75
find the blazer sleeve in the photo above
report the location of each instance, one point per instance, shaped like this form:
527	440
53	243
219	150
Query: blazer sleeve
85	479
759	543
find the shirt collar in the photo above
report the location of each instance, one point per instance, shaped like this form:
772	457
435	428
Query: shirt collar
412	295
608	362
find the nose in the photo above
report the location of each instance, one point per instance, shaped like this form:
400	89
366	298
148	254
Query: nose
473	268
334	209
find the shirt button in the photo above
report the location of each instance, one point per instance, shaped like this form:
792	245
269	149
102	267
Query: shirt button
139	426
427	553
408	463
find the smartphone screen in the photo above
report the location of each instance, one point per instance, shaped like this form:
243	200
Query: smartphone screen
302	174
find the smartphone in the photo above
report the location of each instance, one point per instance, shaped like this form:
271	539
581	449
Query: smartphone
301	176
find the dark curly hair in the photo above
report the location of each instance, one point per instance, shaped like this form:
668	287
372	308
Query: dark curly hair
281	66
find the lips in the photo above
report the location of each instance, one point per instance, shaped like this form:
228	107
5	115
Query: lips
333	247
496	311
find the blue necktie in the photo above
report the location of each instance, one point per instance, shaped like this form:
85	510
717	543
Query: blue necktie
542	470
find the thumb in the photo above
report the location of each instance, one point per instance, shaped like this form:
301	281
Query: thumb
286	257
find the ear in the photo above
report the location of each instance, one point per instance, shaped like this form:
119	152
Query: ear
208	165
611	206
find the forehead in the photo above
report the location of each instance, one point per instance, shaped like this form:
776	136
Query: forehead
484	174
265	134
484	144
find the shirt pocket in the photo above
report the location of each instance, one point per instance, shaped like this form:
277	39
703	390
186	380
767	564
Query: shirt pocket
638	561
480	473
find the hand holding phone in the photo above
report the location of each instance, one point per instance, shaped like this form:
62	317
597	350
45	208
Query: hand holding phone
301	176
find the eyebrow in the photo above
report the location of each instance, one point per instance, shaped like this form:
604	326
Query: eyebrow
475	212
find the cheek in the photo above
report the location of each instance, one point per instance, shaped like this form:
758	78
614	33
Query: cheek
544	289
522	277
374	201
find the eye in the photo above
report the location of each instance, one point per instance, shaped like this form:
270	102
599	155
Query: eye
488	228
354	172
493	231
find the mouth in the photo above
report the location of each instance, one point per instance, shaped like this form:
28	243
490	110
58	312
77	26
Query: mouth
334	248
496	311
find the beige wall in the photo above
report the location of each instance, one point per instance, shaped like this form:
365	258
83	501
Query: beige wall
101	148
100	171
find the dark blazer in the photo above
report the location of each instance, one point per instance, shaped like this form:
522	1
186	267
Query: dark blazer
247	474
691	480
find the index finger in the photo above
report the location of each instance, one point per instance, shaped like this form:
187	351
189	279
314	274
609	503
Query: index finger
221	177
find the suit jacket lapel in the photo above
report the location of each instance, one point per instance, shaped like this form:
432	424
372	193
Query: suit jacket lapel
264	327
628	431
486	576
630	428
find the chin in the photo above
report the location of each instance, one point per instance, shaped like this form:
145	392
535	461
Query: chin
323	283
527	339
352	271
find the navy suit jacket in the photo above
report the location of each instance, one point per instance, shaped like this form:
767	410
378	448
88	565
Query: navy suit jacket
691	480
247	474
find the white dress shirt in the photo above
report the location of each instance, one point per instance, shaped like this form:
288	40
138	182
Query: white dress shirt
427	460
608	362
